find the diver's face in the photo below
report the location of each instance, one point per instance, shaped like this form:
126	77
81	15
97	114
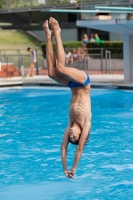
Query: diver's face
74	133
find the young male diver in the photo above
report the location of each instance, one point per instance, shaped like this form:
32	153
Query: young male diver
78	81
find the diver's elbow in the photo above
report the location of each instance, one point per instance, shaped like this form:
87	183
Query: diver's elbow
62	147
79	148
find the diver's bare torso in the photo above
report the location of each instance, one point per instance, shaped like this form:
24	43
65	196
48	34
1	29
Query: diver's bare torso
80	107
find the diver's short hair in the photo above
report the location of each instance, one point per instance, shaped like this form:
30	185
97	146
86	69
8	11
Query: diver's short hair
76	141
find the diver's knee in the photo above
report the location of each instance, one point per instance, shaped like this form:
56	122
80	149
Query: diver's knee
60	68
51	74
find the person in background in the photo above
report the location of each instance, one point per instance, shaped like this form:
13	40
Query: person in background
75	55
85	39
69	58
97	39
80	53
92	39
32	61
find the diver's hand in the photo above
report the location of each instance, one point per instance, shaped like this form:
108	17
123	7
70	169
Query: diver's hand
72	172
69	174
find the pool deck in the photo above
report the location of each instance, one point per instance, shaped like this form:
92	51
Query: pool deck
97	80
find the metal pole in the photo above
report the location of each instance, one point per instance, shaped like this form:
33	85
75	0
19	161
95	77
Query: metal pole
108	53
30	18
110	61
102	60
22	68
106	61
19	59
37	70
7	65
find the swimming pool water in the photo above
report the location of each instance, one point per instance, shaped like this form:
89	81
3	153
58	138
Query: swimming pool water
32	122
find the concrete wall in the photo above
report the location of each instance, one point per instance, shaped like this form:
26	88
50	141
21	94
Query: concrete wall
115	37
66	35
112	64
96	64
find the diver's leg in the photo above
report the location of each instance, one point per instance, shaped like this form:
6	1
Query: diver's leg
51	61
70	73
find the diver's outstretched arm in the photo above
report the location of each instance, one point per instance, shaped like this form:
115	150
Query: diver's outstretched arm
80	147
64	148
64	152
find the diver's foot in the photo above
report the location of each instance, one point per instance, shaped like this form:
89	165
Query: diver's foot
54	25
47	31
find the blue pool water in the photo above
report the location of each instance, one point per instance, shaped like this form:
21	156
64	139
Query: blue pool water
32	121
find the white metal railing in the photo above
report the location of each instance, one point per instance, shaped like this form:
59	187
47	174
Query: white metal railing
95	58
4	4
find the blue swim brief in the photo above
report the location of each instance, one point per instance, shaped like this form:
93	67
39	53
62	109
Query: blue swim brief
73	84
